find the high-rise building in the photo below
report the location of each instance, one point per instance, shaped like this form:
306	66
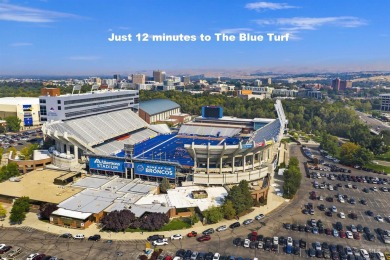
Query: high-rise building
345	84
267	81
336	84
159	76
139	79
186	80
257	83
117	77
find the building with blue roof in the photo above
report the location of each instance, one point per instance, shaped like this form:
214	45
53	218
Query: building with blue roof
156	110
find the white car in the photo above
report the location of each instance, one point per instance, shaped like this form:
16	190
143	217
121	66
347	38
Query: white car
260	216
342	215
78	236
221	228
379	218
349	234
341	200
380	256
247	243
2	245
317	246
334	209
353	228
364	254
247	222
216	256
176	237
32	256
194	255
289	241
330	187
276	240
375	189
160	242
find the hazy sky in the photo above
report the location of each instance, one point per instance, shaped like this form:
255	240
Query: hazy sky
71	37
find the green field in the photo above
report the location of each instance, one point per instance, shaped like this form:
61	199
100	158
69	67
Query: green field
383	157
377	167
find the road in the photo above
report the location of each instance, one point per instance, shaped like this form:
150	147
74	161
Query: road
372	122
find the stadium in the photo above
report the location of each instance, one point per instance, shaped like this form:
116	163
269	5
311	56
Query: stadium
210	150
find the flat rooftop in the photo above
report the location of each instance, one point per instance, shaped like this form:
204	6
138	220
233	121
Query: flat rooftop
39	185
19	101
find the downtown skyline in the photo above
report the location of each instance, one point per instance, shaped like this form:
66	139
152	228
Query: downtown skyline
56	38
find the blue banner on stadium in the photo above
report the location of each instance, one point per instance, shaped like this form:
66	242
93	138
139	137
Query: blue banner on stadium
247	146
155	170
26	107
106	164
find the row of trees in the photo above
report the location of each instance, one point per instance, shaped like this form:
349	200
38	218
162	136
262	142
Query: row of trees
349	153
121	220
292	178
19	209
238	107
8	171
238	201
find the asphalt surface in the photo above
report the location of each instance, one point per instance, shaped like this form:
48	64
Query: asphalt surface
372	122
272	225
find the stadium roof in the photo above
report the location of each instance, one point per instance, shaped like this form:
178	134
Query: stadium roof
157	106
19	101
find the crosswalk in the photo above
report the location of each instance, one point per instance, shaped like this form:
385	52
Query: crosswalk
26	228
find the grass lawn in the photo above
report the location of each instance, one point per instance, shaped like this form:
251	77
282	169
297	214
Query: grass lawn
383	157
378	167
174	224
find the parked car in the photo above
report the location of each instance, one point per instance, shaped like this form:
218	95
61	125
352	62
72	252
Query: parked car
260	216
235	225
160	242
176	237
247	222
191	234
94	238
208	231
66	235
204	238
78	236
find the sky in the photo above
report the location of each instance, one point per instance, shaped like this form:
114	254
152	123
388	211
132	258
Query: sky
52	37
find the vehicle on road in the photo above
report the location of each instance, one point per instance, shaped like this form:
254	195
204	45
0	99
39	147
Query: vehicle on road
260	216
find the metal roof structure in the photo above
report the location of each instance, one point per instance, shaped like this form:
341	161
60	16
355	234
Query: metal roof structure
19	101
157	106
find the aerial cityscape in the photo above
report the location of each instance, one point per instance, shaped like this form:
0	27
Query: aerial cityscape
202	130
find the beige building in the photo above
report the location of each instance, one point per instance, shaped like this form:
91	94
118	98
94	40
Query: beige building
139	79
159	76
25	108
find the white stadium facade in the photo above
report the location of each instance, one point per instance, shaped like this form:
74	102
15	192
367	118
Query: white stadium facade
210	150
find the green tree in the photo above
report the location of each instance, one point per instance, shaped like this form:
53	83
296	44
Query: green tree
194	218
3	211
1	153
292	179
28	151
348	153
228	210
241	197
13	123
213	214
19	209
164	186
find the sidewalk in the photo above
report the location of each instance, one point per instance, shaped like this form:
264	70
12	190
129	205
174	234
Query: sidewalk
274	201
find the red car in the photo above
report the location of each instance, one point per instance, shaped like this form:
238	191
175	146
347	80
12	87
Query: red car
192	234
342	234
204	238
253	236
356	236
328	231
